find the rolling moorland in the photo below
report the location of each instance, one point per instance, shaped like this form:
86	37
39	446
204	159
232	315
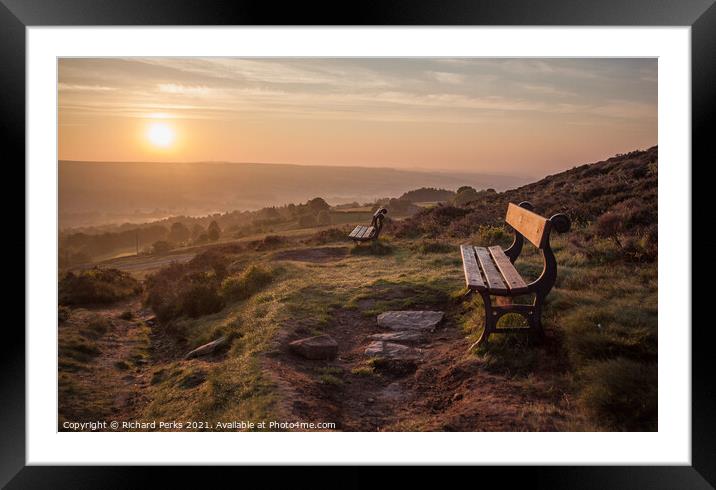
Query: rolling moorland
100	193
126	324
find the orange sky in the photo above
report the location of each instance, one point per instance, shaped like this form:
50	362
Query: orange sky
516	116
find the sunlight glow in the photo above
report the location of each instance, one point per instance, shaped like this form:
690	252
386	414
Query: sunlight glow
160	134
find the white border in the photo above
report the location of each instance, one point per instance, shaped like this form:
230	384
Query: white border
671	445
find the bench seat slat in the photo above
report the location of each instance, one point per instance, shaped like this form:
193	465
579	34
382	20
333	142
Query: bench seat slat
367	232
512	277
492	275
357	231
473	277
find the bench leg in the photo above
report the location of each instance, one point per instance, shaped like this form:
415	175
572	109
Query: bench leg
536	316
490	321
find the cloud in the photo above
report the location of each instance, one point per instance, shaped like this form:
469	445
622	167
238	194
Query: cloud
69	87
356	89
190	90
447	77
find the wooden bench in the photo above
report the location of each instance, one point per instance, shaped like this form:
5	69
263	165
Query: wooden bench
490	271
370	232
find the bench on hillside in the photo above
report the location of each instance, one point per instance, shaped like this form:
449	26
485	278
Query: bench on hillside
490	271
370	232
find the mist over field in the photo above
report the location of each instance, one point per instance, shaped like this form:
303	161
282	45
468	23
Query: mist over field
96	193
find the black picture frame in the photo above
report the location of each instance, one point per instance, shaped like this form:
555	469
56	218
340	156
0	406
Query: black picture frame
700	15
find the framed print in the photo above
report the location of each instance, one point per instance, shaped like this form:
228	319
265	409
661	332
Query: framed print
435	235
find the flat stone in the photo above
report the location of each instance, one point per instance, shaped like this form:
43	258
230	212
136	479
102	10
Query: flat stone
399	336
207	349
391	351
410	320
318	347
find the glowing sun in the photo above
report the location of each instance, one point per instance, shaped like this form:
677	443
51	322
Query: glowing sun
160	135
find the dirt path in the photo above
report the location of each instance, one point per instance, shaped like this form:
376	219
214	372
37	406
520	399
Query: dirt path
448	390
112	384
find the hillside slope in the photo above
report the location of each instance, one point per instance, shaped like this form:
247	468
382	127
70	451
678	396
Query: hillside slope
625	185
595	370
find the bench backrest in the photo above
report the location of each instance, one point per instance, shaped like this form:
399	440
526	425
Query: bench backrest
377	220
532	226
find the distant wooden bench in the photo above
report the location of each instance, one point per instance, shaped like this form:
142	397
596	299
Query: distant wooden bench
370	232
490	271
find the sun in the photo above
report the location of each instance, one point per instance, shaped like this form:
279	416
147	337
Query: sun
160	135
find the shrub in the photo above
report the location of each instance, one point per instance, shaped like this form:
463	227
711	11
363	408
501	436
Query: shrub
246	284
375	248
270	242
200	299
492	235
96	327
189	289
161	247
328	236
435	247
621	394
96	286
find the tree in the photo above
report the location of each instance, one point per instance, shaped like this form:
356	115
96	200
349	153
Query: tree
179	233
465	188
465	196
324	218
317	205
161	247
214	232
197	231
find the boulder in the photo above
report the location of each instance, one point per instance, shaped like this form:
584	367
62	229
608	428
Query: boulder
399	336
207	348
318	347
391	351
410	320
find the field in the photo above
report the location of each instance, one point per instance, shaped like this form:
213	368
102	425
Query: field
595	370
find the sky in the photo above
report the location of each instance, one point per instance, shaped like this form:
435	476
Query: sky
526	117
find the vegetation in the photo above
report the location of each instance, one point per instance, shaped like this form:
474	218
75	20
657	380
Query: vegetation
96	286
161	247
595	370
428	194
246	284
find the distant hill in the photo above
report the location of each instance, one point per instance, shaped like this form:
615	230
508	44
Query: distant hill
624	185
94	193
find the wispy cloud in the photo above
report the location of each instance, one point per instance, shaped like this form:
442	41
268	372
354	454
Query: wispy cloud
189	90
73	87
403	105
447	77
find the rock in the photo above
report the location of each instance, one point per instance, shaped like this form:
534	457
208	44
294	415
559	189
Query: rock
318	347
410	320
151	321
391	351
207	348
399	336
